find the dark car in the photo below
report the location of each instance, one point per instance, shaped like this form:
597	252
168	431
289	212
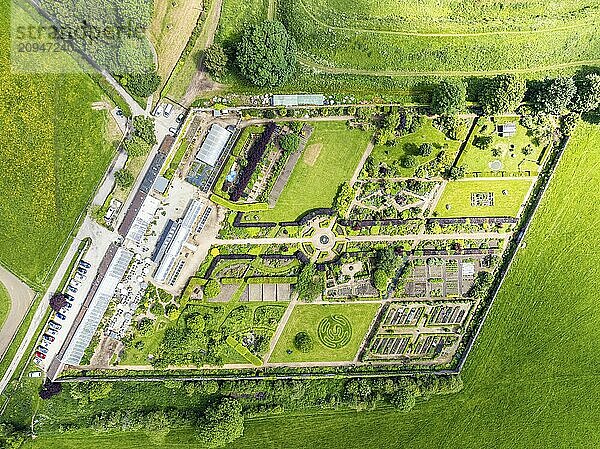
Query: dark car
72	289
42	349
69	297
84	264
54	325
40	355
47	337
60	316
81	270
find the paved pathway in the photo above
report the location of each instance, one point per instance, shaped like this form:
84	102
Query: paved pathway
359	167
21	297
280	328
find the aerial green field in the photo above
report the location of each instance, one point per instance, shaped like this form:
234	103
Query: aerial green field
432	38
511	156
531	381
353	321
329	159
4	304
53	153
456	199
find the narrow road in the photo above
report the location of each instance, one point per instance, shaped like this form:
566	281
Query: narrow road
21	297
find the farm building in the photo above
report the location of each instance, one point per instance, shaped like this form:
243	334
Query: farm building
507	130
298	100
213	145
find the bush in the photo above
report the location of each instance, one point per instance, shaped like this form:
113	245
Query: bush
136	146
483	142
409	161
403	399
212	289
303	342
124	178
425	149
310	284
289	142
223	423
143	127
266	55
58	301
380	280
141	84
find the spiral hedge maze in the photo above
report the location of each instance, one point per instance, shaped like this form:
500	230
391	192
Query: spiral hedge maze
334	331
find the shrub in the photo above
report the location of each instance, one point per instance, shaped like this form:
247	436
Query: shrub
289	142
425	149
310	284
141	84
403	399
409	161
58	301
143	127
136	146
124	178
212	289
380	280
483	142
303	342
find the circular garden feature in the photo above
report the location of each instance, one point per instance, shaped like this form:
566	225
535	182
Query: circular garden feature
324	239
335	331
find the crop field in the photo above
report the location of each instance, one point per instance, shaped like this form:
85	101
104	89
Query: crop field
431	37
409	145
509	156
52	155
491	198
336	330
329	159
531	380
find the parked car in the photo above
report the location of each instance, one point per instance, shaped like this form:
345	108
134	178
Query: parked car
119	112
60	316
39	355
67	305
72	289
42	349
51	331
179	118
37	360
69	297
75	282
173	130
81	270
159	109
47	337
80	277
168	109
54	325
84	264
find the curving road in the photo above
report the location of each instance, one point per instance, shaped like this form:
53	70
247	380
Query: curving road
21	298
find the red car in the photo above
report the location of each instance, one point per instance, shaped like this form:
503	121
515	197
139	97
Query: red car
40	355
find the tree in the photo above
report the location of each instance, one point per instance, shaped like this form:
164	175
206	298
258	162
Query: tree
387	260
449	97
380	280
409	161
403	399
215	60
568	123
50	389
425	149
223	423
303	342
58	301
343	198
483	142
10	438
455	173
141	84
501	94
289	142
587	95
143	127
136	146
266	54
310	284
212	289
552	96
124	178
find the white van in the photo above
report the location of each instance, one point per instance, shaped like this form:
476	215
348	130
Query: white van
168	109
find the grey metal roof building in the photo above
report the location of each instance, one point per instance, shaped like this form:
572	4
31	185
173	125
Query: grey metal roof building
97	308
143	218
182	234
213	145
298	100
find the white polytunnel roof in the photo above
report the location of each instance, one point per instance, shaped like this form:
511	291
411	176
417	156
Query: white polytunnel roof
213	145
90	322
143	219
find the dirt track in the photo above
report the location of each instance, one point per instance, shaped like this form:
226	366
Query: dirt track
21	297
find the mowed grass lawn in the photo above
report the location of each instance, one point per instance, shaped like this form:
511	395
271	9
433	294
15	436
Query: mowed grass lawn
511	155
306	318
456	198
330	158
532	378
53	152
409	145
